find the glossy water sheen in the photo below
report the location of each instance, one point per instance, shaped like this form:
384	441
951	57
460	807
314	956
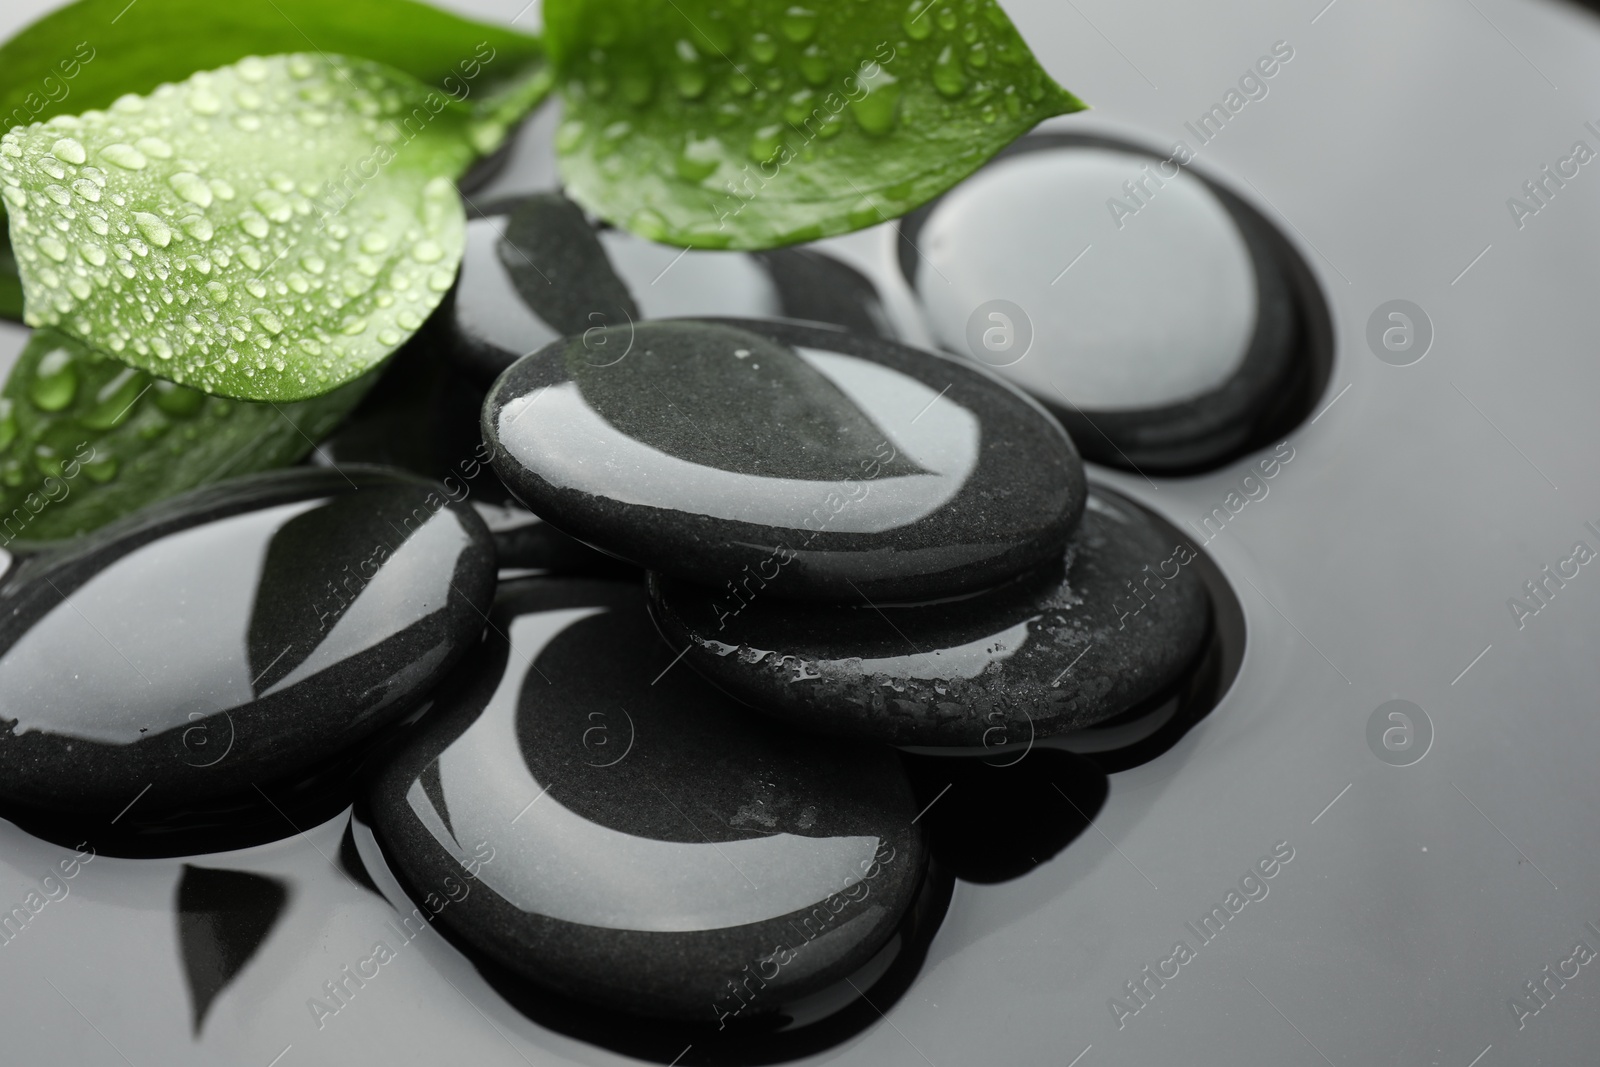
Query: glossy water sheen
603	813
1161	309
1119	621
535	270
1168	340
821	464
791	283
231	637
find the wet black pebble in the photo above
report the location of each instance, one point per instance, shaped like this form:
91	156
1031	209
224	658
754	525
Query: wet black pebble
618	832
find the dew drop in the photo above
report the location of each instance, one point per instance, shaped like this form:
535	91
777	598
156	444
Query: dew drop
799	24
814	65
374	243
92	253
71	150
314	263
269	322
949	77
917	27
877	112
254	224
216	292
426	251
124	155
55	382
191	187
58	194
154	147
87	189
389	336
253	69
53	248
154	228
273	204
763	49
197	226
765	142
256	288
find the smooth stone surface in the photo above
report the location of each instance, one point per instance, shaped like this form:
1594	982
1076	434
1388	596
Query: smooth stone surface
1054	651
525	545
1165	345
797	460
782	283
236	636
533	271
536	270
627	836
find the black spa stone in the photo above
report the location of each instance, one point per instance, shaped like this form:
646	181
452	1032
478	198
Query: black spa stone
1152	311
819	464
236	636
1114	623
535	269
621	833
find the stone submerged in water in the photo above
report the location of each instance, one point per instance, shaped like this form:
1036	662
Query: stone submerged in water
536	270
594	807
236	636
1173	345
800	460
1117	623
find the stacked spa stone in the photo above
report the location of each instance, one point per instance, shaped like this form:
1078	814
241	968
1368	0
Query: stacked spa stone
848	542
852	536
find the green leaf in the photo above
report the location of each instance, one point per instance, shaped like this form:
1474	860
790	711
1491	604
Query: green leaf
712	124
267	231
85	438
89	53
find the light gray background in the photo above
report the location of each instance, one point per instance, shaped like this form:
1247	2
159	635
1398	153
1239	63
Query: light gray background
1378	568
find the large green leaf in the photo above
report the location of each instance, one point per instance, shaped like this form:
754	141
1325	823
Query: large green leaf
766	122
267	231
85	438
87	54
